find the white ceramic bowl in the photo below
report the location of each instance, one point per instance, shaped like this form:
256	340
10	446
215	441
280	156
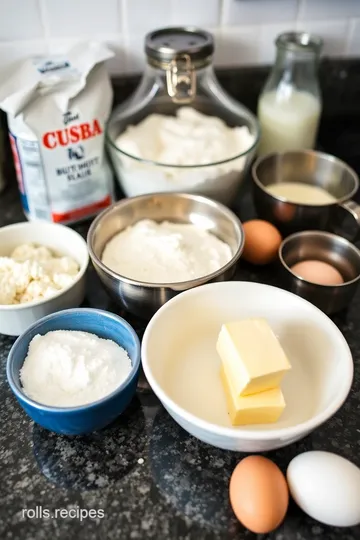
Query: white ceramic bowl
182	366
15	319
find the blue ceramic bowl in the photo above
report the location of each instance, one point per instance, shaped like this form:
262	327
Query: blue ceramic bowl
92	416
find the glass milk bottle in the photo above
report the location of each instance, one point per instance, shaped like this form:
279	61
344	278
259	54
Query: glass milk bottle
289	106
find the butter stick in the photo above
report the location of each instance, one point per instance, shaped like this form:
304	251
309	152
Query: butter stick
263	408
252	355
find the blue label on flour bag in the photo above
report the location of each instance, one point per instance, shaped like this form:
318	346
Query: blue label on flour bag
30	177
52	66
19	172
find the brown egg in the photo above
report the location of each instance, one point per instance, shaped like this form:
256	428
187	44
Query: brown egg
318	272
284	212
262	241
259	494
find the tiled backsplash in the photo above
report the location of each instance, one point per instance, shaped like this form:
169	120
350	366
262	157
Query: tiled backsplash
244	30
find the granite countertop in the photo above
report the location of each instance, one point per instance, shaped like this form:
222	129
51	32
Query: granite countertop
149	477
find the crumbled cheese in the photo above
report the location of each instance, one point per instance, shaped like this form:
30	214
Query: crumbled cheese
68	368
34	272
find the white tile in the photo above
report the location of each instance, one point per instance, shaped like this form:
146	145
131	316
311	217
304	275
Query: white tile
20	20
135	58
146	15
18	50
241	12
353	47
205	13
236	47
329	9
72	18
267	36
333	33
117	64
62	45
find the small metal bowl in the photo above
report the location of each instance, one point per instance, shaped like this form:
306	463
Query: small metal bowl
329	248
142	298
306	167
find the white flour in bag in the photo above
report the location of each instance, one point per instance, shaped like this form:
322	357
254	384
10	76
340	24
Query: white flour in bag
57	108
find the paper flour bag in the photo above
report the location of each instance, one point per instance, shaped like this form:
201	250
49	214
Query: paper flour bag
57	108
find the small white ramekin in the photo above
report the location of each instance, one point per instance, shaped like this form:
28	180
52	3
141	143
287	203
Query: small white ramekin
15	319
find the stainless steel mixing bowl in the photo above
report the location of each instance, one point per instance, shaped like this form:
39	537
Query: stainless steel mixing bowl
142	298
309	167
329	248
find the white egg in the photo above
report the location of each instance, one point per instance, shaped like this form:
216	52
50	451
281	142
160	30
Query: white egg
326	487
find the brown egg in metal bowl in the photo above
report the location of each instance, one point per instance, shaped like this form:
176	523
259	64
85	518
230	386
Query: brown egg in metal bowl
145	298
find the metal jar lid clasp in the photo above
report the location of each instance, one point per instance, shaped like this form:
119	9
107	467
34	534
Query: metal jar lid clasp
181	79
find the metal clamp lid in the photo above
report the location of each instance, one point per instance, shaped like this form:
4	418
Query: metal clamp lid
165	44
180	51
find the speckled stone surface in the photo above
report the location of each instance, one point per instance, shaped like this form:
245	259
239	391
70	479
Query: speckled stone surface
149	477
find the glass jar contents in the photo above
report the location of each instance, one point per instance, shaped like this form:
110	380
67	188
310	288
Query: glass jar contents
289	106
180	131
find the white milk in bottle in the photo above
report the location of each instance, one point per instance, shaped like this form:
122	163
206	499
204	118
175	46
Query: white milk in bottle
289	106
290	123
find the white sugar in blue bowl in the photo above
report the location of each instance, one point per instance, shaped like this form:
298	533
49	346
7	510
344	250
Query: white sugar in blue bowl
92	416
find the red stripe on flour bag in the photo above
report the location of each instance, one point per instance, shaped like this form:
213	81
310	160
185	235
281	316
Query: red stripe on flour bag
82	212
